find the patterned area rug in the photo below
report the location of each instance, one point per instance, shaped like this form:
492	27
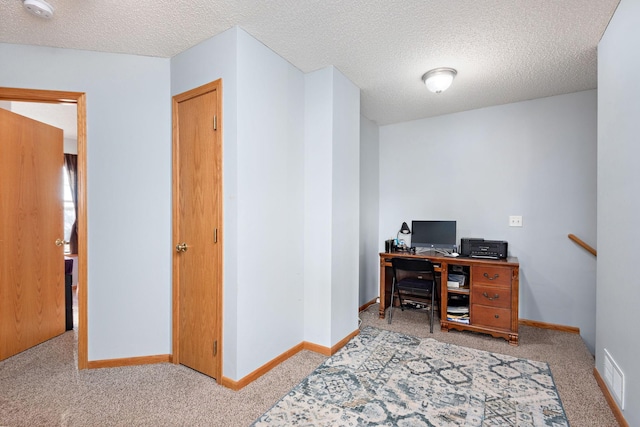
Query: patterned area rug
383	378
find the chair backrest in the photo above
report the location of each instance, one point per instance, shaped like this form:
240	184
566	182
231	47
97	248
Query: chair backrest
417	268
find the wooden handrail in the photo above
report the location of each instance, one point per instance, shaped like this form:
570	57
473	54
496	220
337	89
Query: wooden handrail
583	244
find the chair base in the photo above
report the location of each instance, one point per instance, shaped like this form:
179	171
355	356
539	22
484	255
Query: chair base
430	307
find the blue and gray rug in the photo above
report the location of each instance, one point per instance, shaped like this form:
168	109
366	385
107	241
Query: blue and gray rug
383	378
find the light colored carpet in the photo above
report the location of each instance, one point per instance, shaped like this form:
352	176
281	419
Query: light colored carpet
42	387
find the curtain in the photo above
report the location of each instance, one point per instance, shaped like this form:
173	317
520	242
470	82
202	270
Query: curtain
71	164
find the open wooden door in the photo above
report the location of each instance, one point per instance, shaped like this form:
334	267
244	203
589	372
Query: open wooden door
197	229
32	303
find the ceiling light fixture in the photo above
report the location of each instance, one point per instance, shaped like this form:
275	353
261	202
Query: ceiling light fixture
39	8
439	79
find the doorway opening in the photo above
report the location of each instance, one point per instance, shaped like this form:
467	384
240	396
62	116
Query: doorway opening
79	99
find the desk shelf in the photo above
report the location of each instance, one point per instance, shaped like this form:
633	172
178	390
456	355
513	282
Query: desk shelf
464	290
491	286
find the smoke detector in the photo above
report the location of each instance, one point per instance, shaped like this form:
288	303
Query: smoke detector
39	8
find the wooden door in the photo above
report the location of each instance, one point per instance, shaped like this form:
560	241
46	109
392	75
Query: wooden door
197	229
32	303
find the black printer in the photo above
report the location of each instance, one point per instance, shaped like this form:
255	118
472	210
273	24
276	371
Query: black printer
480	248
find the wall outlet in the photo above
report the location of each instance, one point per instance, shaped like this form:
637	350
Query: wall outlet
515	221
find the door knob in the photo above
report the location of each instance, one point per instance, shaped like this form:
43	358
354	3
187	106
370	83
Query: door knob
181	247
60	242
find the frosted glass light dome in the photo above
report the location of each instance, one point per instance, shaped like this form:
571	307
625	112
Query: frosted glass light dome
439	79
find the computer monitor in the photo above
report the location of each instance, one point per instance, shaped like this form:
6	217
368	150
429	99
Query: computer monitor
434	235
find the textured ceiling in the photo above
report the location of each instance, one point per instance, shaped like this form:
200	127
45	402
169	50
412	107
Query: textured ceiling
504	51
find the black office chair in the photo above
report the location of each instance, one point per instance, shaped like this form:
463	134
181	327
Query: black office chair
414	279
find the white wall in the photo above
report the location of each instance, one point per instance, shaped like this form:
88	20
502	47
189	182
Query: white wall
318	199
619	200
270	177
345	246
70	146
369	210
129	181
331	229
536	159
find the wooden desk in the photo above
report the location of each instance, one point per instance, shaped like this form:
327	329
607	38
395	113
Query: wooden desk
491	288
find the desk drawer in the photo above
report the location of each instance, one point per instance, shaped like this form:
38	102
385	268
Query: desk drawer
482	315
494	296
491	275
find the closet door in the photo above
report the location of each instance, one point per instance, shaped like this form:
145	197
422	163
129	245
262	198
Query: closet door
197	222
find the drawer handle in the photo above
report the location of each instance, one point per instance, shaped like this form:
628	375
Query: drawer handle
486	295
495	276
497	316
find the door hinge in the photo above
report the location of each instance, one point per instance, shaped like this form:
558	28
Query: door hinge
215	348
215	122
